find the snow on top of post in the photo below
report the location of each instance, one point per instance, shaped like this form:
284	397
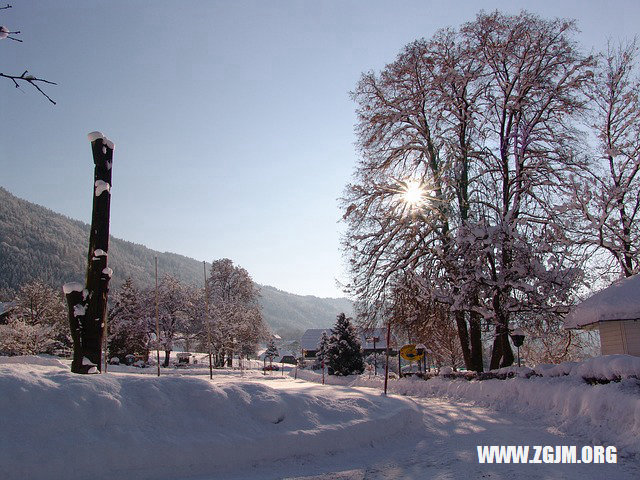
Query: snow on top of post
620	301
93	136
107	271
67	288
98	252
102	186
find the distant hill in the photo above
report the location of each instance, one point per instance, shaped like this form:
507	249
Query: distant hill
296	313
37	243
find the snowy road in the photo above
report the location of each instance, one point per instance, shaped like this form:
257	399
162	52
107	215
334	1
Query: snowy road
246	426
446	449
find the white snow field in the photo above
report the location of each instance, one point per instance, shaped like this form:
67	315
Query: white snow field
58	425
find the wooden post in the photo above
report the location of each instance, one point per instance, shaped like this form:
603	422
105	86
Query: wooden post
386	365
157	321
206	316
105	343
88	306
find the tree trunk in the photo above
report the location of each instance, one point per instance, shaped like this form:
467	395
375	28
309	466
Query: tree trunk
167	353
475	334
87	311
463	335
502	355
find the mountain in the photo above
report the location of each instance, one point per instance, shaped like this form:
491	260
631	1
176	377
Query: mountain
37	243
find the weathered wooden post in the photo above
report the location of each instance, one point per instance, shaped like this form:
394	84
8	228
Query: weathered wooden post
88	304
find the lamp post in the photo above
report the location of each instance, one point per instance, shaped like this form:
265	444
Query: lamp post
422	350
517	337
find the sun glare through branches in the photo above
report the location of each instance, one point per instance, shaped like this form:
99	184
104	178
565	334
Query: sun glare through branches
414	194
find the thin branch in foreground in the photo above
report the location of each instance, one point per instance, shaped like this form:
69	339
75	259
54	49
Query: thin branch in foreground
26	77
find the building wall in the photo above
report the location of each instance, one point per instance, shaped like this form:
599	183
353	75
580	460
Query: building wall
620	337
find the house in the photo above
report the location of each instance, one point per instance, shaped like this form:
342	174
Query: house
290	359
5	309
311	338
615	312
370	346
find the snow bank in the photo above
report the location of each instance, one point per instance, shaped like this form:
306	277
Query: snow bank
602	414
608	367
42	360
56	424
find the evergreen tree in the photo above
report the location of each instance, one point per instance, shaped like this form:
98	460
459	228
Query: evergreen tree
323	347
344	353
272	350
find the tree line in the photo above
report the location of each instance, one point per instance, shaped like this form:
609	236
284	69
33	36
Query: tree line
498	176
37	322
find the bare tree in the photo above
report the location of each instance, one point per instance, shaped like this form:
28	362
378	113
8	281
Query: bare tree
607	191
237	324
481	120
25	77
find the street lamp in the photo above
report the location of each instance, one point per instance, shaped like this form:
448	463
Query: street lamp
421	348
517	337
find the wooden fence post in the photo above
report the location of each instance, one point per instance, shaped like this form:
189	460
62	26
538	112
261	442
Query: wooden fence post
88	306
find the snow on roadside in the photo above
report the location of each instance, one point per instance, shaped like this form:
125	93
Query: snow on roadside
602	414
56	424
43	360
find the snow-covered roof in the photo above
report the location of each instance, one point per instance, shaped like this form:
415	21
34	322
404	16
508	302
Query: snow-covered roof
620	301
6	306
311	338
381	333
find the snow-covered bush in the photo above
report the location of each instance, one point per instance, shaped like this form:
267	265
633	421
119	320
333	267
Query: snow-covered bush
18	337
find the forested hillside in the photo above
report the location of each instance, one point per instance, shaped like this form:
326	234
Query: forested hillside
37	243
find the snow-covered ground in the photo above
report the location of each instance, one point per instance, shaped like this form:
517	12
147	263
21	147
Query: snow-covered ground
243	425
607	413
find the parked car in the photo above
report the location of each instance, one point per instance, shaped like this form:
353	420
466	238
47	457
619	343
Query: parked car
271	367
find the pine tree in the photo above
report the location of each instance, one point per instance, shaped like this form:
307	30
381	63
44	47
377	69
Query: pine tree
272	351
344	353
323	346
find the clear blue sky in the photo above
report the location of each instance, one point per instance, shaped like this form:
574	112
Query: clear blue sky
232	120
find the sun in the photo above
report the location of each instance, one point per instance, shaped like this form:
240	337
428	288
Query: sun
413	193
